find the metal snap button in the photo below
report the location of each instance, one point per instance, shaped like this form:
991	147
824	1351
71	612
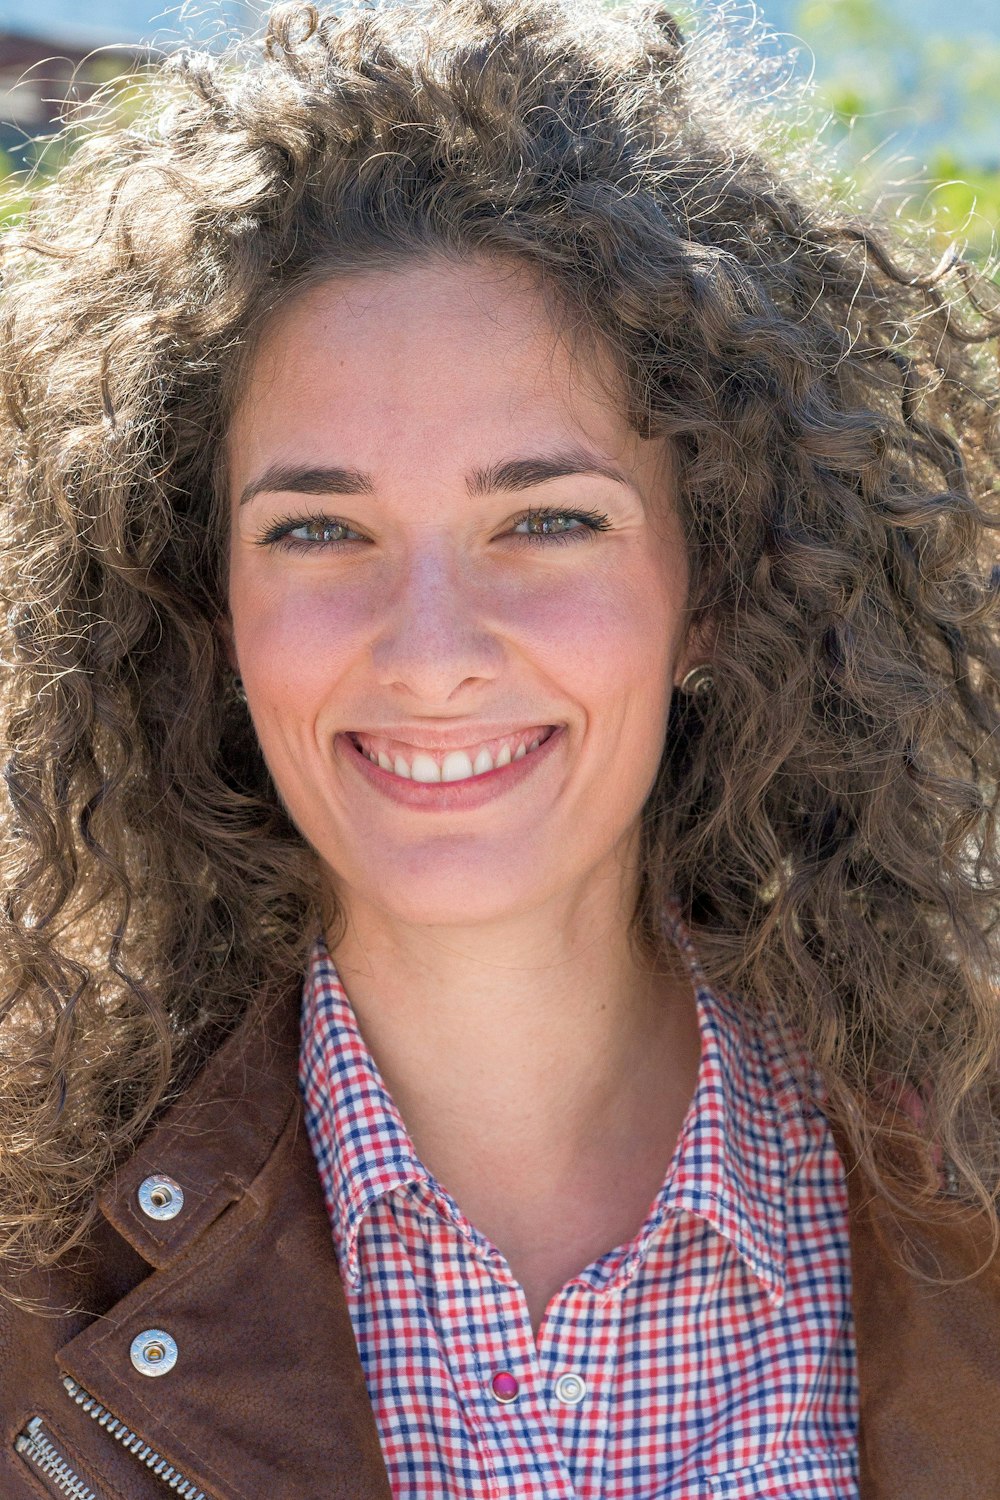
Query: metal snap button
570	1388
161	1197
153	1352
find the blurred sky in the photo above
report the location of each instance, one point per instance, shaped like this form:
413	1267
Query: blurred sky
926	73
97	22
131	20
962	116
963	17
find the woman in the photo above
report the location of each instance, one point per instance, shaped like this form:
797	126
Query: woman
501	728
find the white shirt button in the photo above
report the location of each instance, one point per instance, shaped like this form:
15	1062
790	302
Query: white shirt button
570	1388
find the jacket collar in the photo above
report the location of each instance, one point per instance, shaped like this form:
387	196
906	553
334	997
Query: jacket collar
926	1299
216	1138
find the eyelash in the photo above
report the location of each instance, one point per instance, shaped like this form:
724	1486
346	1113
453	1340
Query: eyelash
593	521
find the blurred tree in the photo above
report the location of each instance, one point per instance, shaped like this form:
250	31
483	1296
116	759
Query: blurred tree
9	208
914	106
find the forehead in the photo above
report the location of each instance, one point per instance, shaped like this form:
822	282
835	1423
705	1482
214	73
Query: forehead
439	352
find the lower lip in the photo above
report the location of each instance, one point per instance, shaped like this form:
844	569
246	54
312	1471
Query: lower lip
450	796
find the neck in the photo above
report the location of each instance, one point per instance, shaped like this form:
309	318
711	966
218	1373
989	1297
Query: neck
527	1053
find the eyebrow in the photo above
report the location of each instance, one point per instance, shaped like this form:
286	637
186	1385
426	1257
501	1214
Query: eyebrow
314	479
509	475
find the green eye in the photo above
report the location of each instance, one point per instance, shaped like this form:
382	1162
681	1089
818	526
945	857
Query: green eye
559	525
549	525
318	531
306	532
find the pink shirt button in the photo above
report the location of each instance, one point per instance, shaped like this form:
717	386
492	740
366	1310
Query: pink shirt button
504	1386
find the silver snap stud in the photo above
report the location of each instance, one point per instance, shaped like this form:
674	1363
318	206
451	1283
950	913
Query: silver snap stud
570	1388
161	1197
153	1352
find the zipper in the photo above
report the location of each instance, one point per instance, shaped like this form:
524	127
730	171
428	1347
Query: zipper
35	1445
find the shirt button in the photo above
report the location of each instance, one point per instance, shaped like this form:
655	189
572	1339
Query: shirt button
161	1197
153	1352
570	1388
504	1386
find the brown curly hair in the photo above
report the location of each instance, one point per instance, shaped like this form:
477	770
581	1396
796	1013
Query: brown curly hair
826	814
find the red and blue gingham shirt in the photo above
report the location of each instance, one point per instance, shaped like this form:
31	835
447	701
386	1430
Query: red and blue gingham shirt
710	1358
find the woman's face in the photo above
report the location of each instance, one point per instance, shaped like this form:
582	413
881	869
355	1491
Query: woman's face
450	552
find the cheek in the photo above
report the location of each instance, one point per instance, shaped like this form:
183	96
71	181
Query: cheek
613	633
292	642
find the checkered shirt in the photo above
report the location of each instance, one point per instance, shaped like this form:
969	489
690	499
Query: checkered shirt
713	1354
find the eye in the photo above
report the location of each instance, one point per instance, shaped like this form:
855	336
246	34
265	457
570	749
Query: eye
304	532
549	525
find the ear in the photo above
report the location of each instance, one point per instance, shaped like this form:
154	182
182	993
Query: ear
698	648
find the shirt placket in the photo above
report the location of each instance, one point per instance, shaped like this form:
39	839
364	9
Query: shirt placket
577	1353
504	1389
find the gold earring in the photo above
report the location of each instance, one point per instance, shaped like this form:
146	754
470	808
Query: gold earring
697	681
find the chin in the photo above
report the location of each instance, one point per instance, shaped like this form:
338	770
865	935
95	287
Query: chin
414	892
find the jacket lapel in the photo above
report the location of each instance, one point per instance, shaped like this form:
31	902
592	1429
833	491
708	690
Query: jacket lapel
267	1397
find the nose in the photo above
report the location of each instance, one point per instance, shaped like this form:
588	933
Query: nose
438	633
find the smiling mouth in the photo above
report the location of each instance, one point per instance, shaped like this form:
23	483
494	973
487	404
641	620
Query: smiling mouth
411	763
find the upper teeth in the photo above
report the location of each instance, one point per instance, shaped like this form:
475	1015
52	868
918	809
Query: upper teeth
456	765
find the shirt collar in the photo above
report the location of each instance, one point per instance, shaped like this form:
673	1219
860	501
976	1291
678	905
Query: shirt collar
730	1167
362	1147
737	1146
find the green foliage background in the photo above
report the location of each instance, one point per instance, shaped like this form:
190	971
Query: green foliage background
881	80
40	157
910	109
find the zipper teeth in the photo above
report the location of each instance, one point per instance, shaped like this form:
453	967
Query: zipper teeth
35	1445
131	1440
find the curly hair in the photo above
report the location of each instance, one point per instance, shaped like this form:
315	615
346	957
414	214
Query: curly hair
826	815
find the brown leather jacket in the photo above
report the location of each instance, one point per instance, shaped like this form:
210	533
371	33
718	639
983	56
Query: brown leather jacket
267	1397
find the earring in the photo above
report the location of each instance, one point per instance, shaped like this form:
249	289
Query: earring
237	689
697	681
